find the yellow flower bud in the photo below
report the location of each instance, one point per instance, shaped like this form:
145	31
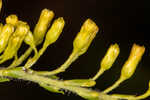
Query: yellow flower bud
21	30
52	35
85	36
129	66
11	49
132	62
15	42
110	57
6	32
29	39
42	25
108	60
55	31
12	19
80	45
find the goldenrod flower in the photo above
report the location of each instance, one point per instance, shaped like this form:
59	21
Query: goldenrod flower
42	25
55	31
110	57
133	60
6	32
15	42
12	19
108	60
85	36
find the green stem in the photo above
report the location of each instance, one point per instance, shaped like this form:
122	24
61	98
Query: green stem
116	84
99	73
18	73
63	67
33	60
21	59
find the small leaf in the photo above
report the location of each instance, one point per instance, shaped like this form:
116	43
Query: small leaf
51	88
80	82
4	79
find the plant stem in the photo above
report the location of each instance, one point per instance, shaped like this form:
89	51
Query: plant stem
21	59
116	84
98	74
63	67
18	73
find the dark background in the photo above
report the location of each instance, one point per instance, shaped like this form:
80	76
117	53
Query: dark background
123	21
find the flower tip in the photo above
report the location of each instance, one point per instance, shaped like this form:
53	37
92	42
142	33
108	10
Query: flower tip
12	19
46	12
138	50
130	65
86	35
110	57
90	25
60	21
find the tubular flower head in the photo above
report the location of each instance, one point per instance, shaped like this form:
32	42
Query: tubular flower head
110	57
55	31
21	30
29	39
132	62
5	34
15	41
42	25
11	49
85	36
12	19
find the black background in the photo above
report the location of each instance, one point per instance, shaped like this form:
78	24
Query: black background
123	21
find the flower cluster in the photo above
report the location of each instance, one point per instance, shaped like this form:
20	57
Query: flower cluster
15	31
